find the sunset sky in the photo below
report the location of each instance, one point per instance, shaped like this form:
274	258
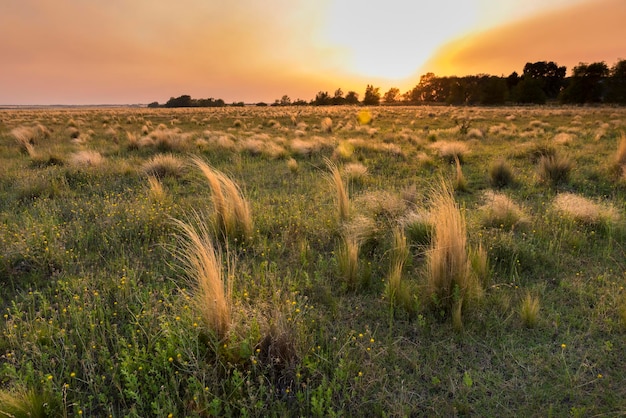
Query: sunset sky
139	51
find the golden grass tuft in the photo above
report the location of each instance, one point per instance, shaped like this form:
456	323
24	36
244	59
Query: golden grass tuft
292	165
344	150
499	211
342	199
449	150
164	165
529	310
399	254
620	155
26	138
155	189
348	261
232	217
326	124
355	172
29	403
449	282
460	183
584	210
86	158
202	262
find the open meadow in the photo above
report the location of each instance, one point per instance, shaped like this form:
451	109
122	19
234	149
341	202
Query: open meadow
303	261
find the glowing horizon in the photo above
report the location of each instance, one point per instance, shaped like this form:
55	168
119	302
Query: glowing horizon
74	52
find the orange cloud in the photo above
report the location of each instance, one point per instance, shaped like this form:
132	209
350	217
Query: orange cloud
589	32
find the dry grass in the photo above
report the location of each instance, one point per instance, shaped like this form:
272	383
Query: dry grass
202	263
355	172
529	309
86	158
232	217
449	282
449	150
501	174
326	124
348	260
342	199
344	150
26	138
554	169
292	165
584	210
155	189
460	183
29	403
500	211
164	165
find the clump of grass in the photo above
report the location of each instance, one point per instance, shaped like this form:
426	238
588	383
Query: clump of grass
563	138
479	264
450	150
449	282
475	133
554	169
621	311
348	260
417	227
398	291
460	183
501	174
342	199
86	158
232	217
202	262
529	309
29	403
164	165
292	165
619	165
584	210
539	150
500	211
355	172
25	137
155	189
326	124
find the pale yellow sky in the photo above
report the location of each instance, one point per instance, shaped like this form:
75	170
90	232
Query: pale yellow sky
119	51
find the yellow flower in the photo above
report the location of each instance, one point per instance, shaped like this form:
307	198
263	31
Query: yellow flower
563	346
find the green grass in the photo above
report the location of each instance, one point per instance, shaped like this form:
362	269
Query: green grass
101	317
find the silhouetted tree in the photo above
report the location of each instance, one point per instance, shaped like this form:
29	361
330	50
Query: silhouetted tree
181	101
529	90
586	84
322	99
549	74
285	100
392	95
352	98
372	96
493	90
338	98
616	84
153	105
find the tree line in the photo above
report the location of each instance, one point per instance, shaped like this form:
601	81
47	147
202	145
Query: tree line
539	83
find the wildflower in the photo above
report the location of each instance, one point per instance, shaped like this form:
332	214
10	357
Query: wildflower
563	346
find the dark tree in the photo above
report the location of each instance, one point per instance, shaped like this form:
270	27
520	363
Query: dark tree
181	101
352	98
322	99
493	90
338	98
586	84
529	90
392	96
616	85
153	105
372	96
549	74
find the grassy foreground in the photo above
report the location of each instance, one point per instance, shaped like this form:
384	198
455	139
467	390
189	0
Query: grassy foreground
433	261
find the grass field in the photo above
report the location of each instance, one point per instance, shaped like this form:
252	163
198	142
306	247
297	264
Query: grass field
392	261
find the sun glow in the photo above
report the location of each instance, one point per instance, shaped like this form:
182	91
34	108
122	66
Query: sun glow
391	40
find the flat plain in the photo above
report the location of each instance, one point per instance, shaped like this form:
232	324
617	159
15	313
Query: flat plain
303	261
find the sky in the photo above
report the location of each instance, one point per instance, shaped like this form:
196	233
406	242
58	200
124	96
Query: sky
140	51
